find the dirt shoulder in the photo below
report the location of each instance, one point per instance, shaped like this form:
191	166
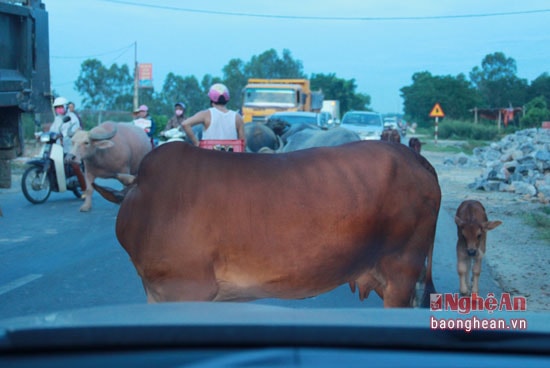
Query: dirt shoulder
518	258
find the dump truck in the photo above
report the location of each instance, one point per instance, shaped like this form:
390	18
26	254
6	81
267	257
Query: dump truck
24	75
263	97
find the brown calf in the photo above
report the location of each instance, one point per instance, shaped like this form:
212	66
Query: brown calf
472	226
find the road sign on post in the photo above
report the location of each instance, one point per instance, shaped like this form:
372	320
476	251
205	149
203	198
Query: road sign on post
145	75
437	112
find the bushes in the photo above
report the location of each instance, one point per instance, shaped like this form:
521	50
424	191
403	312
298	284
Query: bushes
466	130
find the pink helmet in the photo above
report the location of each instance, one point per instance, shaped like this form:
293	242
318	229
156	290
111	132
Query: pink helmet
143	108
217	91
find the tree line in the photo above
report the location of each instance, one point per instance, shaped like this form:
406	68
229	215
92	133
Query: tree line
111	88
494	84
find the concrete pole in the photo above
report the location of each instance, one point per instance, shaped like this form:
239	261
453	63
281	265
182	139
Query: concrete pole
136	79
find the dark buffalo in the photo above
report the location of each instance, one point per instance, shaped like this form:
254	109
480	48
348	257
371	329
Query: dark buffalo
260	136
309	138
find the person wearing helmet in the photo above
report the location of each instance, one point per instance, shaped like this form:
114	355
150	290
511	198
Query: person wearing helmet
219	122
65	124
176	120
145	122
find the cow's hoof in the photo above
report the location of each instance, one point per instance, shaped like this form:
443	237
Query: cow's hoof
85	209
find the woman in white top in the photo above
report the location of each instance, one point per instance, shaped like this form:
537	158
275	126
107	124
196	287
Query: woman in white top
219	122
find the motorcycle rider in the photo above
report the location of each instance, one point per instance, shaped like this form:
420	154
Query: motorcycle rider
145	122
219	122
176	120
65	124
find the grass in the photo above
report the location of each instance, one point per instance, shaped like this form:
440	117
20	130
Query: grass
452	145
540	219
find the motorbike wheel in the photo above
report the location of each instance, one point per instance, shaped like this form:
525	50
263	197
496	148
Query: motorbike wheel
30	185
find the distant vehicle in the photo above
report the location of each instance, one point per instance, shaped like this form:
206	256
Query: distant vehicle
390	122
24	75
263	97
301	117
367	124
332	107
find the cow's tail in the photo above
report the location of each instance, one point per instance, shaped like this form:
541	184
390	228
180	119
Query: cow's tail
429	287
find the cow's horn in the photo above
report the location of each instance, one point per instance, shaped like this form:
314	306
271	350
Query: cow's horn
99	136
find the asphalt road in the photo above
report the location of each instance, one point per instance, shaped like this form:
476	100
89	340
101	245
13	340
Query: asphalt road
53	257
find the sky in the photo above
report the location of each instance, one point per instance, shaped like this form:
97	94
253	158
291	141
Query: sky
380	44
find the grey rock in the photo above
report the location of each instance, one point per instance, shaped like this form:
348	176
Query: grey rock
527	148
544	189
523	188
491	185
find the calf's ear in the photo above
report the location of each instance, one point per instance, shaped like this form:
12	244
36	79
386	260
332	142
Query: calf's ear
459	221
490	225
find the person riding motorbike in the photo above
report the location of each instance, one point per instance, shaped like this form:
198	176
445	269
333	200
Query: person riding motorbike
219	122
176	120
65	125
145	122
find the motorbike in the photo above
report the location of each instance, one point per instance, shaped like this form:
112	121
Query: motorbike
172	135
49	173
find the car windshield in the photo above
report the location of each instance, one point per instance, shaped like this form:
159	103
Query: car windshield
295	119
366	120
269	97
168	195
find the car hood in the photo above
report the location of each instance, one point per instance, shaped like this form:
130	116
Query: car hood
363	130
227	324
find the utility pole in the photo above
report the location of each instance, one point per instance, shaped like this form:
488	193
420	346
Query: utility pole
136	79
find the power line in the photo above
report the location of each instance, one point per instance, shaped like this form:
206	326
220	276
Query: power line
325	18
124	49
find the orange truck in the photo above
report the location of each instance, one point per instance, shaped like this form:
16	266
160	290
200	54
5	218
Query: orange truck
263	97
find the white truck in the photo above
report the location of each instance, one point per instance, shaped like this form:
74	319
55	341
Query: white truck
332	107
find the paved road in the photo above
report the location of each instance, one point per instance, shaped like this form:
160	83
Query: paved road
52	257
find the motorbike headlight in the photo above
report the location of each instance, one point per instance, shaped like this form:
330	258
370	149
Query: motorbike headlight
45	137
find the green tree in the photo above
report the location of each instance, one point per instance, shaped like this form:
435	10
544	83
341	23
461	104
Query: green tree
343	90
181	89
536	111
235	79
269	65
456	95
105	88
540	87
497	82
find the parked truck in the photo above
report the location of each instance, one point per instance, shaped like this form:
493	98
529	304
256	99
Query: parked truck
24	75
263	97
332	107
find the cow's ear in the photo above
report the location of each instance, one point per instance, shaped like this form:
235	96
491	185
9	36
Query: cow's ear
104	144
459	221
490	225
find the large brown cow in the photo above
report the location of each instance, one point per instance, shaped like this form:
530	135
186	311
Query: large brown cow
472	226
217	226
107	150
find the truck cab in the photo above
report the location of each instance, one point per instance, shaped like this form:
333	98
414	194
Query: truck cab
264	97
24	75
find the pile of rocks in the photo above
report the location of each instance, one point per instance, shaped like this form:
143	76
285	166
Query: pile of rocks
518	163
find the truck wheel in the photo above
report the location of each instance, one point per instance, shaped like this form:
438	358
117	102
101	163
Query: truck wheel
33	190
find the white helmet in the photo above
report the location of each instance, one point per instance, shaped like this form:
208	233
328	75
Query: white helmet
60	101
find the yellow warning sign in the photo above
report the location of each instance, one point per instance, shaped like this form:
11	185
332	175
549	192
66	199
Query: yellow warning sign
437	112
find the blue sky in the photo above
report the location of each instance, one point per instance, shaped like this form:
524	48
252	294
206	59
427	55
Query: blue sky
381	53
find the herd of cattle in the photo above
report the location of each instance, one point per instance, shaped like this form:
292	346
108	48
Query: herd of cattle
215	226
